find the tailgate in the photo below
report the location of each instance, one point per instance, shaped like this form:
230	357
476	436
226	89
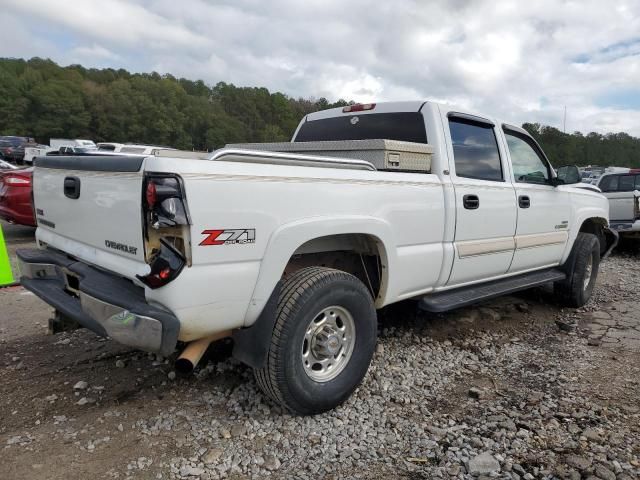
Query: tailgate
91	207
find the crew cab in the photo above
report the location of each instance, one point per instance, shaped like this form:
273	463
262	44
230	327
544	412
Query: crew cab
291	248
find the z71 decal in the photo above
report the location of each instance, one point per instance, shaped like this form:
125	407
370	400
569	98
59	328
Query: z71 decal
229	236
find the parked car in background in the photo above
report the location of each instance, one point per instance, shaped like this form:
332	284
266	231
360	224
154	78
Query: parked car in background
4	165
143	149
57	143
33	151
15	196
12	148
623	192
110	146
58	146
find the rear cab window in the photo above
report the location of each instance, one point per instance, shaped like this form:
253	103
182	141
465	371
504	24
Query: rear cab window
401	126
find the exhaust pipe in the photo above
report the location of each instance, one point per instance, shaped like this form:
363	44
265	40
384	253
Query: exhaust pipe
191	355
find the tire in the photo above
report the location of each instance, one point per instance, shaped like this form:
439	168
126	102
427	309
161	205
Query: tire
317	299
582	270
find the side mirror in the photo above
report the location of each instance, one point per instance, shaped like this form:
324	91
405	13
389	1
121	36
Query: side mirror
569	174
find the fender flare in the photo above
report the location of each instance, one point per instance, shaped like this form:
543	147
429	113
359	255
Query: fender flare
289	237
251	344
582	216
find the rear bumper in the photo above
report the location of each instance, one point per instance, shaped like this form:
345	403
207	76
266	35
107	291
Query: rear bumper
15	206
100	301
626	227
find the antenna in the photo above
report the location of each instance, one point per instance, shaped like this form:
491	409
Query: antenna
564	121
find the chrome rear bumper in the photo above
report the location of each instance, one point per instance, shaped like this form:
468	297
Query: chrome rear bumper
105	303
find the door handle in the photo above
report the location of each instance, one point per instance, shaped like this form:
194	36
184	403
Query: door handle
72	187
471	202
524	201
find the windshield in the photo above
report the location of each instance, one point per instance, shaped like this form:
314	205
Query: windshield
402	126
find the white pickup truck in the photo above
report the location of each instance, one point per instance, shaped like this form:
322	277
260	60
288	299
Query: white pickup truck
290	254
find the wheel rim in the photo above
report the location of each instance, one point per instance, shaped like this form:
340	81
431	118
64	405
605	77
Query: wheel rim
588	270
328	343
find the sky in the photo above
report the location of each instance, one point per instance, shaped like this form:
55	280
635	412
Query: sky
515	60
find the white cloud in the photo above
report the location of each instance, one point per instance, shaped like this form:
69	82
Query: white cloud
522	61
93	53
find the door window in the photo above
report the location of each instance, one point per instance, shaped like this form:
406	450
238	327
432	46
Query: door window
528	164
609	183
620	183
626	183
475	150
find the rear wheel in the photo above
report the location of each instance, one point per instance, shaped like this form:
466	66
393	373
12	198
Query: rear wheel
322	342
582	271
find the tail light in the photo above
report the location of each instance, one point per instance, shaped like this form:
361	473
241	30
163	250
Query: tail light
358	107
16	180
166	229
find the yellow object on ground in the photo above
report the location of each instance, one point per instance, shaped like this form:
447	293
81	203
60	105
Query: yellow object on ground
6	277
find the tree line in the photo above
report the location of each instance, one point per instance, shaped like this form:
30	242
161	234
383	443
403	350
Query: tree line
611	149
41	99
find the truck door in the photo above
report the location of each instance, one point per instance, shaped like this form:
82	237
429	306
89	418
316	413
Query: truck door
619	190
544	211
485	200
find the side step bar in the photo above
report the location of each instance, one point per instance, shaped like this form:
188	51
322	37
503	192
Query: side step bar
464	296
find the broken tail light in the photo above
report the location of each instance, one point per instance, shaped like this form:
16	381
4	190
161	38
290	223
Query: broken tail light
166	229
166	265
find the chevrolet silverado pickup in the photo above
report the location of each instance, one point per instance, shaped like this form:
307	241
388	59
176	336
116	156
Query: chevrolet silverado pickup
290	248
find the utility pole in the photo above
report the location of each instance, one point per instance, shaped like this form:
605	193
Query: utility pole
564	121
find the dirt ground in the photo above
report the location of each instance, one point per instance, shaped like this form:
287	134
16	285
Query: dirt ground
101	429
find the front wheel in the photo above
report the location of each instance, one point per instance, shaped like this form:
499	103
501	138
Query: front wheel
582	270
322	343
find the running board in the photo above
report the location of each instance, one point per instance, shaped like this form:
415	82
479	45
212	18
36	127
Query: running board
464	296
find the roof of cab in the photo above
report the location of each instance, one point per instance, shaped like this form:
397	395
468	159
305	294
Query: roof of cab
381	107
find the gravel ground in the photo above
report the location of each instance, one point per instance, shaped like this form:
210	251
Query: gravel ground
511	389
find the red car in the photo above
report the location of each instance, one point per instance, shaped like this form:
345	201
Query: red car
15	197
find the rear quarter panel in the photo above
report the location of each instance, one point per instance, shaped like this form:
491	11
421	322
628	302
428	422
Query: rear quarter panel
228	285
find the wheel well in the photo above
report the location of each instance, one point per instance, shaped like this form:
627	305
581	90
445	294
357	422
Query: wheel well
361	255
596	226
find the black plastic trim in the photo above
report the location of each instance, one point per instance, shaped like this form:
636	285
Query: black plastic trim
72	187
464	296
100	284
471	118
92	163
251	344
612	237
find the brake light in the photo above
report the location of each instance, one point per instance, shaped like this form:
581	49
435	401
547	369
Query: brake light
358	107
17	181
166	229
151	194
